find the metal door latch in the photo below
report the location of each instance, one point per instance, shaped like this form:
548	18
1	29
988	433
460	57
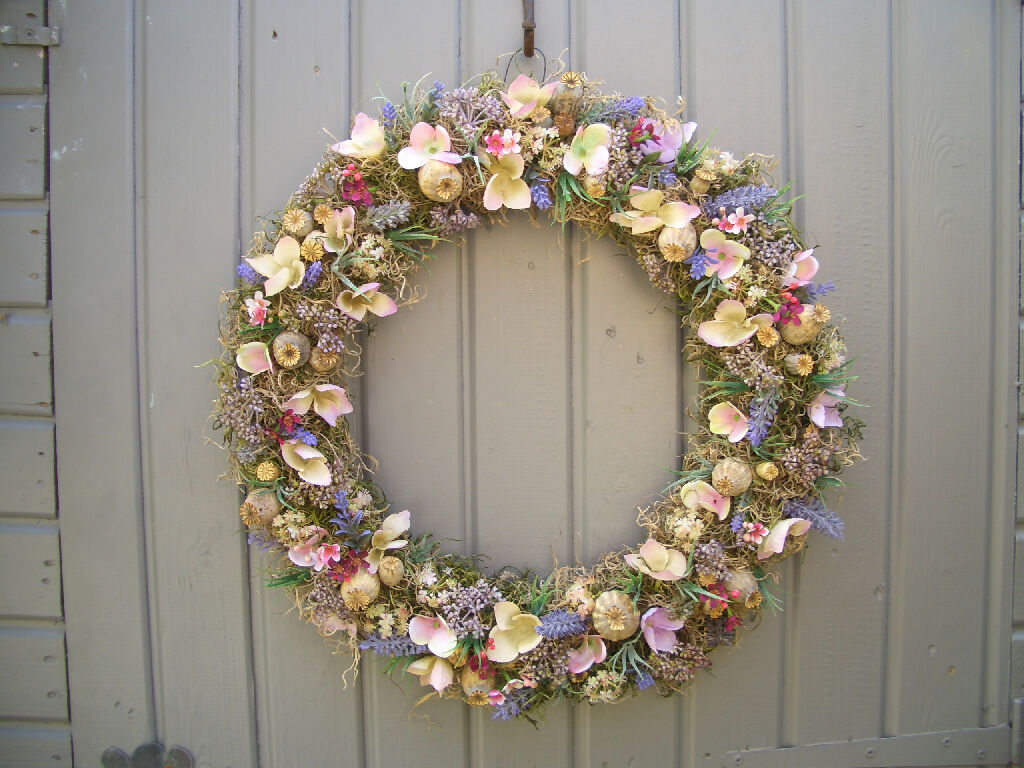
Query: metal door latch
18	34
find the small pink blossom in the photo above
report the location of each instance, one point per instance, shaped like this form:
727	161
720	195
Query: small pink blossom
803	268
495	698
592	651
823	411
659	630
754	533
506	143
324	555
734	223
257	307
304	554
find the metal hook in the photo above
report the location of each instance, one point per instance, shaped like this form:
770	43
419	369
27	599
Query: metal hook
543	58
529	25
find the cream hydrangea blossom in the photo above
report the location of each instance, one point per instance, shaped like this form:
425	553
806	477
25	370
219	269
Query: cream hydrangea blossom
307	461
386	538
367	139
731	325
506	186
283	268
327	400
658	561
700	495
514	632
650	213
589	149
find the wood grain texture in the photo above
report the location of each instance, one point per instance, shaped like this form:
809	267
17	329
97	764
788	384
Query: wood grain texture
279	45
26	467
26	387
30	745
30	569
838	62
23	253
23	162
91	81
197	563
933	667
33	680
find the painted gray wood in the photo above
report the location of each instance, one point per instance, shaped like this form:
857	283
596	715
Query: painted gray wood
33	682
22	67
23	272
27	468
25	384
30	745
30	570
529	404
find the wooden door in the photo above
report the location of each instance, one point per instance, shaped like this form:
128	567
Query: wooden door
521	408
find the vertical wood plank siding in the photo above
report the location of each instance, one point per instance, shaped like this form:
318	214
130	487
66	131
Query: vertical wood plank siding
533	400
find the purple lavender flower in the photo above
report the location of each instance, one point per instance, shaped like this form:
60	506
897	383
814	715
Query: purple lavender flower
341	500
815	292
812	508
516	701
248	274
388	114
540	195
736	524
618	109
666	178
561	623
435	90
750	198
762	416
261	539
305	436
699	261
643	680
312	276
399	645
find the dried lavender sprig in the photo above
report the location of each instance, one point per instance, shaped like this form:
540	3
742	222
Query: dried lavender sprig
561	623
540	195
812	508
248	274
616	109
399	645
516	701
762	416
750	198
311	277
389	215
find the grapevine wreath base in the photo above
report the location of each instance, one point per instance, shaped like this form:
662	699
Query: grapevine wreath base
706	227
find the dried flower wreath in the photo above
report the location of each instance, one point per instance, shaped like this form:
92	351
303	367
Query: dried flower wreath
706	227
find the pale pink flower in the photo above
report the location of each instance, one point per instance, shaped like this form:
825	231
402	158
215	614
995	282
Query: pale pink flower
433	632
365	298
727	419
303	554
591	651
823	411
434	671
254	357
283	268
775	541
367	138
650	212
731	325
427	142
803	268
327	400
700	495
728	254
506	143
257	307
495	698
506	186
736	222
754	533
659	630
387	538
307	461
525	95
338	230
672	137
658	561
589	149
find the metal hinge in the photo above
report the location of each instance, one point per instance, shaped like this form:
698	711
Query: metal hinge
968	746
18	34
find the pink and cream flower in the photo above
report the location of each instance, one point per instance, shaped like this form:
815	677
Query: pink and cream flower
731	325
427	142
590	652
658	561
700	495
803	268
659	630
728	254
434	671
589	149
726	419
433	632
327	400
254	357
650	213
514	633
775	541
367	138
257	307
526	95
823	410
367	297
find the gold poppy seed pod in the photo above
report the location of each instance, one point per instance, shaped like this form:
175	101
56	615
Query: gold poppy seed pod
291	349
322	362
614	616
360	590
391	570
265	504
804	333
474	682
767	470
595	186
731	477
567	98
566	125
440	182
677	243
